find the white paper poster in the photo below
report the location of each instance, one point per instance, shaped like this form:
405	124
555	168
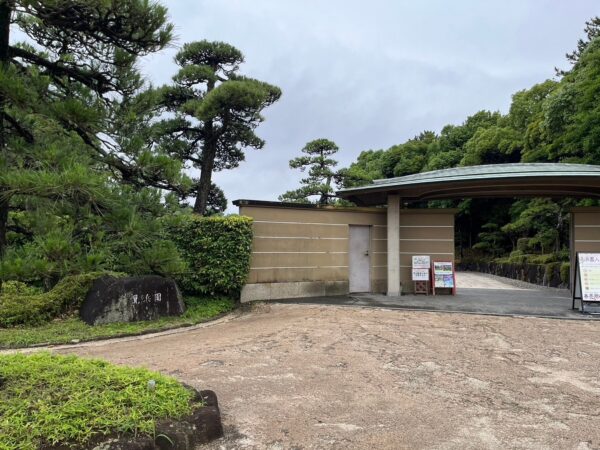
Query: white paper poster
421	262
420	274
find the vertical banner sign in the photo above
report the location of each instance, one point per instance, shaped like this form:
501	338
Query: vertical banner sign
587	279
443	275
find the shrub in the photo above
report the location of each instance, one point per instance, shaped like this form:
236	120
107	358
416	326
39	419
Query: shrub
523	244
517	256
17	288
52	401
19	308
216	249
542	259
552	273
565	272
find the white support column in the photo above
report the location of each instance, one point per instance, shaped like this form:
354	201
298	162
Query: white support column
393	245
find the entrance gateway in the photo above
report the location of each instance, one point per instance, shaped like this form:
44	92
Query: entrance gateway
306	250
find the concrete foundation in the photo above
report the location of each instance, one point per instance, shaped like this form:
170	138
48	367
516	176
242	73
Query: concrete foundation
275	291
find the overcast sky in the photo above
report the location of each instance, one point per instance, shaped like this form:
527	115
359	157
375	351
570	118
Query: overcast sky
371	74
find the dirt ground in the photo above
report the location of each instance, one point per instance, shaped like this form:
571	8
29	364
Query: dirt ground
306	377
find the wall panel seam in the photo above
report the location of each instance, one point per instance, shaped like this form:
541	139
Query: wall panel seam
303	223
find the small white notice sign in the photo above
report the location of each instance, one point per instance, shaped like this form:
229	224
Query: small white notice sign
421	262
420	274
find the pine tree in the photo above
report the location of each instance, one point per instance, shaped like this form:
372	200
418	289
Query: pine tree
216	112
321	173
79	173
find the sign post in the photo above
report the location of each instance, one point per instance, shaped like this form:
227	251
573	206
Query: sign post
586	283
420	273
443	276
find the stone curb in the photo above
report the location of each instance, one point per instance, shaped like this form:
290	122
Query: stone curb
202	426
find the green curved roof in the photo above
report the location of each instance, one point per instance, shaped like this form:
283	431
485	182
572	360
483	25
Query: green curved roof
494	180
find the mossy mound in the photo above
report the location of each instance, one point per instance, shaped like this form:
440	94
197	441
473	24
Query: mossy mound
20	306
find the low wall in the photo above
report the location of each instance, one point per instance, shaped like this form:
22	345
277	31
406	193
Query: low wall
304	250
542	274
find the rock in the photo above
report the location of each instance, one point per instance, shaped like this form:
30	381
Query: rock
204	425
131	299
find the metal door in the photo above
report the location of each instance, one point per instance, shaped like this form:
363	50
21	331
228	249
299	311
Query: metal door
360	258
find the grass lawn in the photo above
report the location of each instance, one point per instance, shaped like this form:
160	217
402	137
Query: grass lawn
65	400
69	330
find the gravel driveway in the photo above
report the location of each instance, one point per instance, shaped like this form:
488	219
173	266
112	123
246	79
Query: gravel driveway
306	376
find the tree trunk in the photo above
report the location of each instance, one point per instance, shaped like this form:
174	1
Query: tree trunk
5	13
208	161
324	200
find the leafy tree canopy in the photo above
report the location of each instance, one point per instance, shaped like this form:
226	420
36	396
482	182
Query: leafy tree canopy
553	121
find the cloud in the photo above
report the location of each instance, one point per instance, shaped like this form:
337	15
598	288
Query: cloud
373	74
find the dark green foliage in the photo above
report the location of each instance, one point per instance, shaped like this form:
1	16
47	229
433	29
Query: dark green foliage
217	202
565	273
24	306
67	330
216	249
214	113
407	158
82	180
76	82
66	401
321	173
368	167
18	288
61	240
553	121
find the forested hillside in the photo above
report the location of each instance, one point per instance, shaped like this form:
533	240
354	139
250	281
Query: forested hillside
556	120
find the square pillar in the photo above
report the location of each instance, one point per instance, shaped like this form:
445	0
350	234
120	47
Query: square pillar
393	245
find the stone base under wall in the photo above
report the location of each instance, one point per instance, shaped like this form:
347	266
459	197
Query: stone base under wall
274	291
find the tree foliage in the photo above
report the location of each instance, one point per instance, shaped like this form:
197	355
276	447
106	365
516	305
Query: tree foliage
321	173
553	121
91	155
215	111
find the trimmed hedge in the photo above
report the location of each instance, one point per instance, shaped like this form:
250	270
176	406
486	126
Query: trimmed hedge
19	306
553	274
216	249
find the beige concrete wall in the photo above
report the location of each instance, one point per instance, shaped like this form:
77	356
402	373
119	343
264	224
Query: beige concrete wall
300	252
424	232
585	232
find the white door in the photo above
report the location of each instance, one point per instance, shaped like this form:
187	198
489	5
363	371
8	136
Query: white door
360	258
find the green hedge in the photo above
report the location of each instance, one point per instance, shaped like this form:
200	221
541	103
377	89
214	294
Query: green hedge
19	306
216	249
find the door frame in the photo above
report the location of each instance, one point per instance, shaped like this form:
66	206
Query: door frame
369	250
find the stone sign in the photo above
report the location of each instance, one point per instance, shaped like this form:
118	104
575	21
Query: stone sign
131	299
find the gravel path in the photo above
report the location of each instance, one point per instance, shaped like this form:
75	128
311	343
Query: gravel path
306	376
480	280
